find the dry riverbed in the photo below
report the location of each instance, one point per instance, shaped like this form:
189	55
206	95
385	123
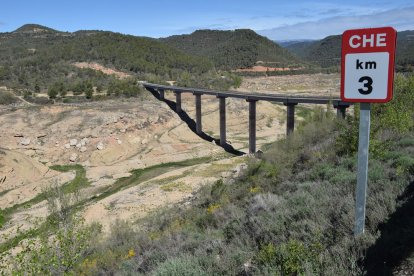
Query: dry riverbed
129	153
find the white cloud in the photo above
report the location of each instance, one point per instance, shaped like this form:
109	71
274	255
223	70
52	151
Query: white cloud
401	19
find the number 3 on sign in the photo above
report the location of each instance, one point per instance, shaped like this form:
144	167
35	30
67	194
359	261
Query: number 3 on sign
367	66
367	84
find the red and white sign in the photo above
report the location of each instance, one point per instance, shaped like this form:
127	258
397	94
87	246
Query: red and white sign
367	65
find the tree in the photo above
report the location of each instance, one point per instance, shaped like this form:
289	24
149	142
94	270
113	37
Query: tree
99	88
88	91
52	92
63	93
60	87
37	88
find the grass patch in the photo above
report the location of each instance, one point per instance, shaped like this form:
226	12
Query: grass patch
176	186
13	242
172	178
80	181
303	112
214	169
2	219
142	175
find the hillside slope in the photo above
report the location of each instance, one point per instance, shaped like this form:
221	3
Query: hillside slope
289	212
34	54
232	49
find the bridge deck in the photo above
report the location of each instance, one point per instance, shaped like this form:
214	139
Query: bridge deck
282	98
288	100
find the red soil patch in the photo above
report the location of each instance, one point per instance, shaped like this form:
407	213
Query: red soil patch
98	67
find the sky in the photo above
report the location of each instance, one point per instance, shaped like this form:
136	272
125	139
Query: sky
278	20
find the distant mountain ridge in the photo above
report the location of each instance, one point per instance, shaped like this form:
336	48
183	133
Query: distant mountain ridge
285	43
241	48
327	52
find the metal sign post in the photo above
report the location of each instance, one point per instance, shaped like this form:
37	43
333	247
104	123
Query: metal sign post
367	74
362	177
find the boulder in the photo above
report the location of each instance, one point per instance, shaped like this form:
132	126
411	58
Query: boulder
30	152
83	149
25	141
73	142
136	140
44	160
67	146
84	141
240	170
73	157
100	146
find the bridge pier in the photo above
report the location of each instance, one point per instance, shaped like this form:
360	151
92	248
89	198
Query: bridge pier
178	102
341	110
222	107
290	117
199	129
252	125
162	96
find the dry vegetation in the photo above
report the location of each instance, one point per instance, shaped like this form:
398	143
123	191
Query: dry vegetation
287	213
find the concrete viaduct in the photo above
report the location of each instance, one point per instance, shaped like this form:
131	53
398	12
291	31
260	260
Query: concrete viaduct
289	101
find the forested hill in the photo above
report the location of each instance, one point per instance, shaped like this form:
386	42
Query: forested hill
35	28
327	52
35	54
232	49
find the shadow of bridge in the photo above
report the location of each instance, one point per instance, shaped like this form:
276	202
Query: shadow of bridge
192	125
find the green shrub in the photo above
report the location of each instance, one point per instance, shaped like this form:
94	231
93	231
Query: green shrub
396	115
183	266
267	255
405	164
7	97
2	218
62	244
291	258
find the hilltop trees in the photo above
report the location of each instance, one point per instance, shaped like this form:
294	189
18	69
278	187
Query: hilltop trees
231	49
56	52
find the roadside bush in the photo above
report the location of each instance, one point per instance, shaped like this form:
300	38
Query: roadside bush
291	258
